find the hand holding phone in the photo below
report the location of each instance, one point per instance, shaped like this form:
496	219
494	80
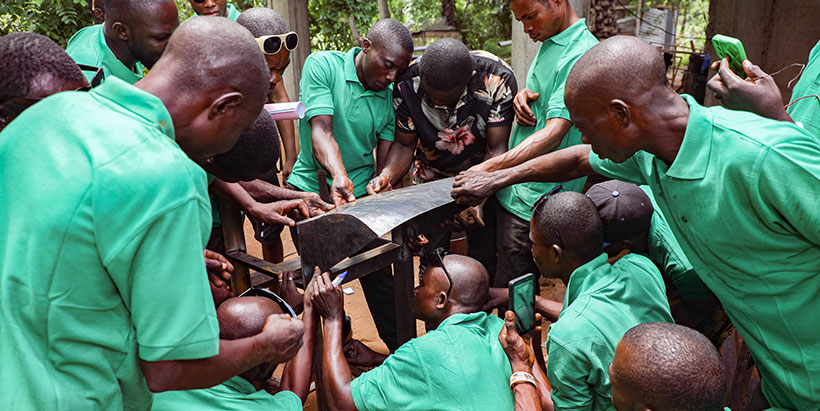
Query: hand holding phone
522	302
733	48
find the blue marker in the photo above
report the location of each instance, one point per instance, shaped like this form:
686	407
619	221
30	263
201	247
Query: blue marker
339	278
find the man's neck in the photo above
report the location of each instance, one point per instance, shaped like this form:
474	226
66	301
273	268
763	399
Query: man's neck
359	63
453	310
118	47
668	123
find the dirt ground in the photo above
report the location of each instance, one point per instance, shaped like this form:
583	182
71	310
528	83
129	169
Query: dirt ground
356	307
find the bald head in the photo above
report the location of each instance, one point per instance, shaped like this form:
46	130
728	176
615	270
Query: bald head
622	67
390	33
262	21
669	367
471	282
243	317
205	65
570	220
446	65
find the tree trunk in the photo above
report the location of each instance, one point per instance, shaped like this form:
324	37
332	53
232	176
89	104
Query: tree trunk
448	11
384	9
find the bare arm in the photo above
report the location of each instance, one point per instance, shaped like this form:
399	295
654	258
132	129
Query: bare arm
541	142
264	192
382	148
472	187
298	371
329	157
396	163
520	355
286	131
271	213
548	308
498	139
336	375
279	340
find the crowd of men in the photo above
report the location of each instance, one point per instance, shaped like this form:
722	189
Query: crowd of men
697	222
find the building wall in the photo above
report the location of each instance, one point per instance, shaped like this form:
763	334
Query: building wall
775	33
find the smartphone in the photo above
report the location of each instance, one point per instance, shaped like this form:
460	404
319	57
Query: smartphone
732	47
522	302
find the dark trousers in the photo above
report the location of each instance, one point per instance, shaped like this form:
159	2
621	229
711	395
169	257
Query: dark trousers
514	248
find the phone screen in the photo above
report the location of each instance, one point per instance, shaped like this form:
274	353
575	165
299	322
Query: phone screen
522	302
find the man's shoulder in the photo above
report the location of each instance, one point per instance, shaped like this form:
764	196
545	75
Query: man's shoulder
82	47
326	57
487	62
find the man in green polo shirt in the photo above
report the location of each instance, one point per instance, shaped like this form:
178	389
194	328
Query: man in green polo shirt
602	301
739	192
132	38
759	93
458	365
219	8
104	293
349	113
543	123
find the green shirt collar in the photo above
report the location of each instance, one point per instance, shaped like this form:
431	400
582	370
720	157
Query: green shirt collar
113	64
135	102
588	278
563	38
693	157
350	65
232	13
461	319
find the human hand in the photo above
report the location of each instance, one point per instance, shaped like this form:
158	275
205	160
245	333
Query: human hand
282	336
471	218
219	269
273	386
327	299
315	204
277	211
289	292
523	114
358	354
341	191
472	187
758	93
307	297
417	243
378	184
517	349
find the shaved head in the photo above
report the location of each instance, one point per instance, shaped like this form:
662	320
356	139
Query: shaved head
262	21
620	67
668	367
242	317
471	282
128	10
446	65
570	220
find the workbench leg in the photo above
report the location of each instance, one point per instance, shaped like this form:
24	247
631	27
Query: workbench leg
232	223
403	285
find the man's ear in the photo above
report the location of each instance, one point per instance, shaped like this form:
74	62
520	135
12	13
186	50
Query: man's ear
557	253
98	13
225	104
441	300
120	30
621	112
366	45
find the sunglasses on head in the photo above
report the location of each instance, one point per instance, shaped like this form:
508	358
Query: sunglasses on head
264	292
273	43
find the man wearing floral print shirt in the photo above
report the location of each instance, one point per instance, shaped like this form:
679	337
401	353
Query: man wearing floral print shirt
453	111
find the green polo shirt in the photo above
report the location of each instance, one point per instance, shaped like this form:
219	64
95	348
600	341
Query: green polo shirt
102	237
742	200
807	110
601	304
330	86
458	366
88	46
546	76
665	251
234	394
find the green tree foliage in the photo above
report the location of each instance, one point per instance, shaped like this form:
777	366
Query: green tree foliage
56	19
329	28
